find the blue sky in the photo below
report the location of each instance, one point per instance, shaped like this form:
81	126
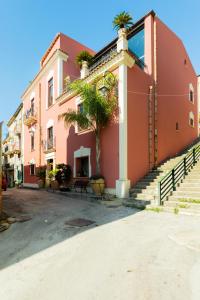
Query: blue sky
28	26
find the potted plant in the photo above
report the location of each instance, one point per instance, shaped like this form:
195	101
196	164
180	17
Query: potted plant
41	174
122	21
84	56
98	110
52	176
97	184
64	175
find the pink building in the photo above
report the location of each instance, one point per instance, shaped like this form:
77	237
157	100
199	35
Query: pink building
157	99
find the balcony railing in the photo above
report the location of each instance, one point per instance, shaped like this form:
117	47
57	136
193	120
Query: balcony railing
30	117
18	128
14	148
49	145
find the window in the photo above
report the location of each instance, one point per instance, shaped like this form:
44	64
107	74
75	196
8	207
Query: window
32	107
82	167
191	93
50	92
80	109
32	141
32	169
177	126
50	137
191	119
136	45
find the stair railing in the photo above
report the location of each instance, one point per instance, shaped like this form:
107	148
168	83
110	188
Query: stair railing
169	182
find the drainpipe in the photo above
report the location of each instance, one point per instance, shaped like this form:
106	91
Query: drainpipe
155	92
122	184
40	128
84	69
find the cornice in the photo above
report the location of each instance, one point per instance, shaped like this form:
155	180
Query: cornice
56	55
121	58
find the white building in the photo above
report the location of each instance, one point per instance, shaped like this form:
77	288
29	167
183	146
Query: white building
13	149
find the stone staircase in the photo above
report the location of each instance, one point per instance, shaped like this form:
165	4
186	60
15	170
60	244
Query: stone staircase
186	198
145	192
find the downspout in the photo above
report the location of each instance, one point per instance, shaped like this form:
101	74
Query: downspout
40	128
155	83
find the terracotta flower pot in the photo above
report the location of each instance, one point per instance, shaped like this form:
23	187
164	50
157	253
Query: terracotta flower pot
98	186
54	185
41	183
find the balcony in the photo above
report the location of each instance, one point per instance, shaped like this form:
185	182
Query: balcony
49	145
30	117
18	128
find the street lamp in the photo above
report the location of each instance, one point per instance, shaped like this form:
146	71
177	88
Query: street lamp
107	80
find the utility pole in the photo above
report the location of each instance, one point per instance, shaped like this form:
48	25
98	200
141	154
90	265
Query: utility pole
1	200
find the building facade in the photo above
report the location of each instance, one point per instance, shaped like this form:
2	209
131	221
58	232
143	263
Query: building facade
157	101
13	149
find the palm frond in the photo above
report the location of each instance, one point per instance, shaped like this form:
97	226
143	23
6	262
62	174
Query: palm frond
73	117
122	20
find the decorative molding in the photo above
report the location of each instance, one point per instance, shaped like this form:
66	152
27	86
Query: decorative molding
122	58
57	54
32	96
50	123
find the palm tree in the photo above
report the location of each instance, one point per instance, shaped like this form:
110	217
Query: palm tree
84	56
98	109
122	20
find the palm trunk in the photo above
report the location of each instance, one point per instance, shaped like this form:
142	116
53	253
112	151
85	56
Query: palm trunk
98	151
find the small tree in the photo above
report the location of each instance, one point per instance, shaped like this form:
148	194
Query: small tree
84	56
122	20
98	108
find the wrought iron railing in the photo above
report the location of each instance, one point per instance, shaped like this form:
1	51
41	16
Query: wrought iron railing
49	144
169	182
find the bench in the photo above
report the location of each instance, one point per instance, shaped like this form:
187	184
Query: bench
81	184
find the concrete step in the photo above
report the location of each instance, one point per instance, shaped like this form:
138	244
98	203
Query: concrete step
186	205
147	191
189	185
144	197
181	198
174	210
143	184
190	194
188	188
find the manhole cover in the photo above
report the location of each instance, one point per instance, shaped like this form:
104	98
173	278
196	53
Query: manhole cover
79	222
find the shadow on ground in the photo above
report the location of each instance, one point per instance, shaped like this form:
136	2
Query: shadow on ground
49	214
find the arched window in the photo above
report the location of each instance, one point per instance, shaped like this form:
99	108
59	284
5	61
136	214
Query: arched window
191	93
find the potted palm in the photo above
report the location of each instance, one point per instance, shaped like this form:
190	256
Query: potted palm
84	56
122	21
41	174
52	176
98	110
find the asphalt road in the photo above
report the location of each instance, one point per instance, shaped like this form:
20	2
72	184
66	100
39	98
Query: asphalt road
125	255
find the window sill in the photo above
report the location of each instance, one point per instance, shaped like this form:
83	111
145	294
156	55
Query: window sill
83	131
49	107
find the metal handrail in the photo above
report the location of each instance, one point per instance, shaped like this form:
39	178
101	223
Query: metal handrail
169	182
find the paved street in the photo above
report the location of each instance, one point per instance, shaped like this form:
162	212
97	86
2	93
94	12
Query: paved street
126	254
